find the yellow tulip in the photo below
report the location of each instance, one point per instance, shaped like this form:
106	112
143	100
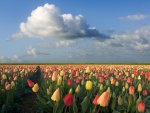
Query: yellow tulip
88	85
62	73
139	77
35	88
56	95
126	86
59	80
139	88
78	89
88	70
101	87
117	83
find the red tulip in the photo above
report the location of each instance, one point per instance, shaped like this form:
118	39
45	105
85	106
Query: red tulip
77	80
95	99
141	107
129	80
68	99
131	90
30	83
69	82
145	92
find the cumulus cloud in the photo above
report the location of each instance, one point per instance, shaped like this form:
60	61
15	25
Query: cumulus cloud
138	39
135	17
47	22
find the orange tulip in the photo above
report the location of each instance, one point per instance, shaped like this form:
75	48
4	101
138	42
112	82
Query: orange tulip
103	100
131	90
141	107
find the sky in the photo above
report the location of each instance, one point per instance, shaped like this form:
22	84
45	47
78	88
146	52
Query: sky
75	31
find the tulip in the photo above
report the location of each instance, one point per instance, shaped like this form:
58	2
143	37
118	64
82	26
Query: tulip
77	80
123	89
68	99
70	91
88	85
145	92
59	80
120	101
101	87
126	86
54	76
4	77
69	82
141	107
30	83
131	90
12	84
62	73
35	88
56	95
77	90
117	83
95	99
48	91
88	70
139	77
8	87
129	80
139	88
103	100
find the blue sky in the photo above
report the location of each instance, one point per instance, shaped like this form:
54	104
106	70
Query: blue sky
74	31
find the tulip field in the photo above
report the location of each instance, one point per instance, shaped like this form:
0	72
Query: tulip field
75	88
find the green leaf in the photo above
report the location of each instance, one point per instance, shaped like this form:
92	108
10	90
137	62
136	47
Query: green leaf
84	104
75	108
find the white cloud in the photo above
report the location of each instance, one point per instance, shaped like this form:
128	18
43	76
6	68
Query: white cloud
9	59
31	51
65	43
47	22
135	17
138	39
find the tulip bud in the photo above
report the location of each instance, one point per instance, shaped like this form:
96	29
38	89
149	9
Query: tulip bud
8	87
48	91
68	99
131	90
54	76
139	88
30	83
141	107
78	89
132	75
123	89
70	91
56	95
4	77
69	82
139	77
101	87
59	80
120	101
87	70
15	78
103	100
117	83
145	92
82	82
12	84
62	73
126	86
88	85
35	88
